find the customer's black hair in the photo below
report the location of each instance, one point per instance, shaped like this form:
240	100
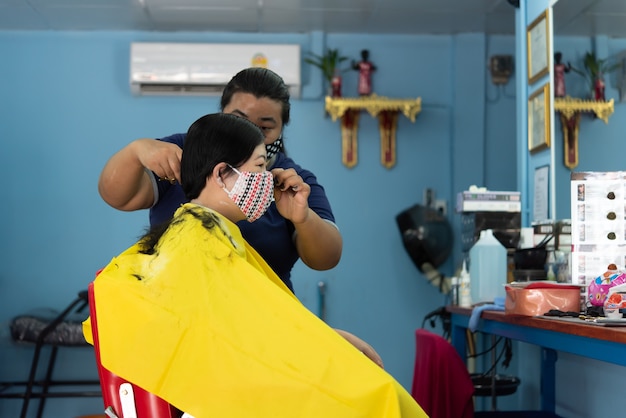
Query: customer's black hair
212	139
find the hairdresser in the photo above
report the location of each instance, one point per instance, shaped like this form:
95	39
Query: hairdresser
146	174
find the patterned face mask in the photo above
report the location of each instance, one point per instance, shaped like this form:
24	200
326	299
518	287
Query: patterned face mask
274	147
253	193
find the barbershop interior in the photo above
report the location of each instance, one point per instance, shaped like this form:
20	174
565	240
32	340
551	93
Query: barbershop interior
471	153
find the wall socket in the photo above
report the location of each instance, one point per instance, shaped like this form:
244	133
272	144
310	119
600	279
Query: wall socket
441	206
429	198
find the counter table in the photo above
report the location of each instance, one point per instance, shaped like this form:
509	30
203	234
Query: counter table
570	335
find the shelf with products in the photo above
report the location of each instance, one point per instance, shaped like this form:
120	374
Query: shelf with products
385	109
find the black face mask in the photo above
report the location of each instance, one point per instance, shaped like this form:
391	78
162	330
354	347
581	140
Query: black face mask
274	147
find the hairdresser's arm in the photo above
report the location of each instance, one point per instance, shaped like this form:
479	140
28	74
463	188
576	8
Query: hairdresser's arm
318	242
124	183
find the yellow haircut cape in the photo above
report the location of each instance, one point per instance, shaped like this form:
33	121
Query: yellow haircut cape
205	324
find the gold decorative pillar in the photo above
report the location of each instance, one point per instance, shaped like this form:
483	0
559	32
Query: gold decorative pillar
384	108
387	122
349	144
570	110
569	125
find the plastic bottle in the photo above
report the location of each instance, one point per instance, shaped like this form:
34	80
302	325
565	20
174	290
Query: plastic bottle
550	262
465	299
454	290
487	268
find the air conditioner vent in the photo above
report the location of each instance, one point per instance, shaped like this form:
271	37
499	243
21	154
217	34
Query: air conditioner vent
205	69
181	89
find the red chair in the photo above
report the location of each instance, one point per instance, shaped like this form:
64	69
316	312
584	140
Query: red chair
441	382
443	386
125	399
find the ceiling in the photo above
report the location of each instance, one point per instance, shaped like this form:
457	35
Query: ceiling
571	17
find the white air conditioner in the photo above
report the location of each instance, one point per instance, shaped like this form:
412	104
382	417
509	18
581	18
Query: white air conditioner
204	69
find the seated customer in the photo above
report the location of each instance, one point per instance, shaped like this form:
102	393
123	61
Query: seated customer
192	314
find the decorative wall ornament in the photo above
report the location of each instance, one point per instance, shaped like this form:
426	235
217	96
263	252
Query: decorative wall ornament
570	110
349	143
560	69
365	68
383	108
387	123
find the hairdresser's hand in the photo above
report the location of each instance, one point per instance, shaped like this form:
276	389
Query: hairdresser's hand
291	194
124	183
318	242
362	346
161	157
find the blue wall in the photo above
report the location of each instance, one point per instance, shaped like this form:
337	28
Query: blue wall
66	108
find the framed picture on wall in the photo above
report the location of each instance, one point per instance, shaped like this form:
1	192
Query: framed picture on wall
541	201
538	47
539	119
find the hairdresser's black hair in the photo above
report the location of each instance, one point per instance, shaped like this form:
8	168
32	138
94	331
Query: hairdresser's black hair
259	82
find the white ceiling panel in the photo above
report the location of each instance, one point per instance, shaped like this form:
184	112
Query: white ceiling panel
79	3
282	20
609	7
202	4
207	19
19	16
571	17
500	23
325	4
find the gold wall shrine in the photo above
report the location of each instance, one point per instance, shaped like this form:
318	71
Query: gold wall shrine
383	108
570	110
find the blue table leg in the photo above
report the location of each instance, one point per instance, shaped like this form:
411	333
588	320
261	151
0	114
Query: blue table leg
548	380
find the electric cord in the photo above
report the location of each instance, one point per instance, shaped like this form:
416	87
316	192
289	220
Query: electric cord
488	350
506	352
489	371
442	315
